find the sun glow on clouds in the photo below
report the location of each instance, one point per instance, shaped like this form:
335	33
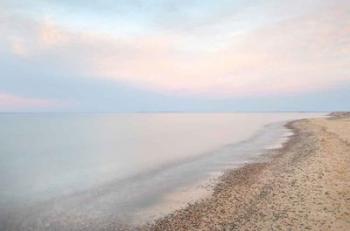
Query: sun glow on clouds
297	54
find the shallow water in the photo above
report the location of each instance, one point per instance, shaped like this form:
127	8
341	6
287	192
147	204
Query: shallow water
66	171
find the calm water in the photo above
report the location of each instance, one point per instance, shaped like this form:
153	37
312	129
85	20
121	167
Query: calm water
64	171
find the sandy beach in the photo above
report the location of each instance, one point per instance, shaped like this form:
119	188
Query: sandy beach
305	186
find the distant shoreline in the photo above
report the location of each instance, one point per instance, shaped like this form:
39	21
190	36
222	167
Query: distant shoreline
295	190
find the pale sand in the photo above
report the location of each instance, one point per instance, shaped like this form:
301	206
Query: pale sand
306	186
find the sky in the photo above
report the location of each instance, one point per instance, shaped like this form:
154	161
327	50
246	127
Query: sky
174	55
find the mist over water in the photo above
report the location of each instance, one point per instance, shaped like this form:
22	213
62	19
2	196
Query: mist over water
105	168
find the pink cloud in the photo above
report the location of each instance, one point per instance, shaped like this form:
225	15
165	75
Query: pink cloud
297	55
15	102
300	54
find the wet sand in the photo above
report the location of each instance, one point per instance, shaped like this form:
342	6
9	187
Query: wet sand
305	186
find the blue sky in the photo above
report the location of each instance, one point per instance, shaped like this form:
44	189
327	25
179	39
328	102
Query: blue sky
167	55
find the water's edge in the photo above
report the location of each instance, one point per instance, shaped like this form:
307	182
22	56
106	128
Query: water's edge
265	157
203	188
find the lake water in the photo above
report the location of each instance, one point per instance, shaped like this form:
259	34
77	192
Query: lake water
73	171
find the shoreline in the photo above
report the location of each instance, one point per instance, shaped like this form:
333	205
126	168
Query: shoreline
236	175
273	194
172	202
181	199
